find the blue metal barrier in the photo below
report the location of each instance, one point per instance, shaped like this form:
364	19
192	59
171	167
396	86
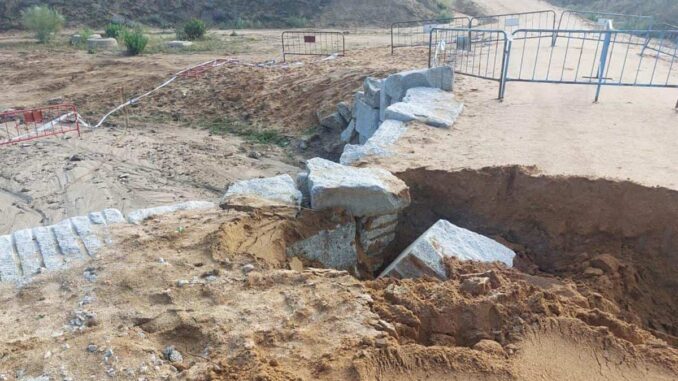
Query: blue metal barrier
585	57
479	53
510	22
416	32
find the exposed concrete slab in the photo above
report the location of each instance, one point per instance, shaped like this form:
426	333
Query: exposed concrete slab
178	44
97	218
69	243
334	248
89	238
49	248
396	86
9	265
434	107
113	216
95	44
27	251
378	145
372	89
348	134
425	256
334	121
367	120
138	216
344	109
280	191
362	191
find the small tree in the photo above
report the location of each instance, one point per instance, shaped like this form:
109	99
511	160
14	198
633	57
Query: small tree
115	30
42	20
195	29
135	41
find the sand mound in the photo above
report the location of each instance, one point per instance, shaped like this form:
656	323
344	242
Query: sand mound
229	304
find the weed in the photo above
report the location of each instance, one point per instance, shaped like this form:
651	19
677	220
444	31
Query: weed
135	41
43	21
115	30
195	29
221	126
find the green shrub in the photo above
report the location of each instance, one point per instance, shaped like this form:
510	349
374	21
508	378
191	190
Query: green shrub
42	20
115	30
135	41
195	29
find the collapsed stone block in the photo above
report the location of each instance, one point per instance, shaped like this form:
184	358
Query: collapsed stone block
178	44
372	90
334	122
30	251
375	234
362	191
348	134
9	269
334	248
434	107
367	119
94	44
138	216
378	145
344	109
396	85
278	191
426	255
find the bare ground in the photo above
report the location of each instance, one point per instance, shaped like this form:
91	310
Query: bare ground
180	281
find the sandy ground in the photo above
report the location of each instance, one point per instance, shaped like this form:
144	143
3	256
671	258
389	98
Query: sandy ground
114	317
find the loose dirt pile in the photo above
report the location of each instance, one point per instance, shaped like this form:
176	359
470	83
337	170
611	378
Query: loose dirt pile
218	289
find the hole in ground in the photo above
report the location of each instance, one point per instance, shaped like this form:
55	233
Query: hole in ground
619	239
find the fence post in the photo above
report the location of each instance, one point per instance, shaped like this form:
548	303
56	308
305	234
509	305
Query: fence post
430	44
392	47
603	61
508	43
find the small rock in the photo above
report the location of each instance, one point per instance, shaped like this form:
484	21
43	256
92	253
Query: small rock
607	263
489	346
90	274
381	342
91	348
182	282
593	272
172	355
75	157
345	111
476	286
248	268
55	101
254	155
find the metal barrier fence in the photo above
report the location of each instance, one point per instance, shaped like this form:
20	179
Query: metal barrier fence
18	126
590	20
416	32
313	43
586	57
510	22
600	58
664	46
573	20
474	52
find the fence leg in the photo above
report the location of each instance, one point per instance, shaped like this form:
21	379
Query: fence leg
430	47
504	69
603	63
392	47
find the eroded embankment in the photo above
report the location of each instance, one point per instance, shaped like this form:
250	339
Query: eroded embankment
619	238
